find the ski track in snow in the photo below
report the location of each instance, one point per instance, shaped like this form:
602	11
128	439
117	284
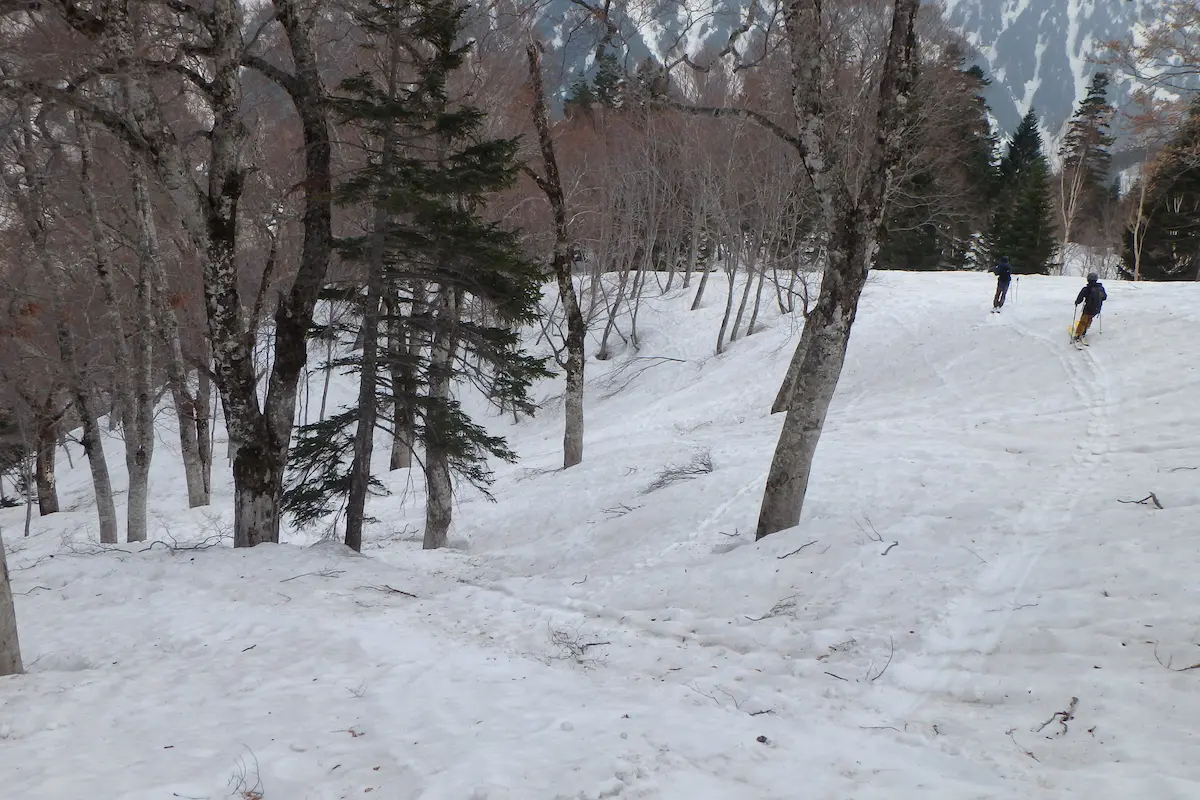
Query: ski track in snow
594	641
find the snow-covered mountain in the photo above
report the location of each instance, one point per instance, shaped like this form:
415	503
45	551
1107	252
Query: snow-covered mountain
1038	52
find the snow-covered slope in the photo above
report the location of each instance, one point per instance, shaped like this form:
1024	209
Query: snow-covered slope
963	571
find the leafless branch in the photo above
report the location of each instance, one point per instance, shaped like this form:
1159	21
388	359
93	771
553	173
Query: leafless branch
784	606
797	550
324	573
701	464
1145	501
387	590
1062	717
1170	661
891	652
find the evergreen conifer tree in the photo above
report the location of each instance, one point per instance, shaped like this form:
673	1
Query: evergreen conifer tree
457	285
1086	161
942	208
1022	225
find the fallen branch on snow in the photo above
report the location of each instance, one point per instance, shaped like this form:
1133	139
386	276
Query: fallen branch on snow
387	590
1170	661
701	464
797	550
1019	747
784	606
1145	501
1062	717
891	652
324	573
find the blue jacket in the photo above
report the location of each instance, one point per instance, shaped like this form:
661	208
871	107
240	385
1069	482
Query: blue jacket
1003	272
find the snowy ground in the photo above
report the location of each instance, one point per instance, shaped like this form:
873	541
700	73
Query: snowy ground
590	640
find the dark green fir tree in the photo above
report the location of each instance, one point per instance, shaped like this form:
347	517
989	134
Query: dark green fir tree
440	292
1022	225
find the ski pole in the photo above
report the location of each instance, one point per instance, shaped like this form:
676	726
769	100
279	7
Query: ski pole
1074	316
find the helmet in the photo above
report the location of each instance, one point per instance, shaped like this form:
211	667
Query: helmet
1093	277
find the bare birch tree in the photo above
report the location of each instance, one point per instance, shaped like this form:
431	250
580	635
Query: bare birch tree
10	646
563	263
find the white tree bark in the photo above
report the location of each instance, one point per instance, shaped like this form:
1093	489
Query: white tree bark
30	199
139	428
853	221
439	489
563	263
168	335
10	646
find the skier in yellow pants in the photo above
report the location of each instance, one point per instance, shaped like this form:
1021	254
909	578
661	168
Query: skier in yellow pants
1092	297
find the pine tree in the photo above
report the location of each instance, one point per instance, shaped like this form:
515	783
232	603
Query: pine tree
1170	224
1022	225
942	208
609	80
1086	161
581	99
456	284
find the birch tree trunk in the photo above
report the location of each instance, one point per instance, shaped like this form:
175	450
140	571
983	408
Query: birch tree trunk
93	447
731	259
139	430
31	203
402	347
438	487
167	328
751	261
47	439
204	426
10	646
853	222
563	263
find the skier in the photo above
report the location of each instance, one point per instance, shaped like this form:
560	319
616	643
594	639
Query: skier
1092	296
1003	273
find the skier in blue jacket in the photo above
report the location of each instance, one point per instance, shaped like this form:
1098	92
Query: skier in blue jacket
1003	273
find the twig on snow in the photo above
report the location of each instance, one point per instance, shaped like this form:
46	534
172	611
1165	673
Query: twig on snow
1171	660
620	510
701	464
889	547
34	589
839	677
871	534
891	652
387	590
1062	717
878	728
782	607
1151	498
1018	744
248	649
580	583
1181	469
323	573
972	552
175	547
797	550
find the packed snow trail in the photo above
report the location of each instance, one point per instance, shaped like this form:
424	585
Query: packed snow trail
963	570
